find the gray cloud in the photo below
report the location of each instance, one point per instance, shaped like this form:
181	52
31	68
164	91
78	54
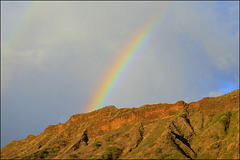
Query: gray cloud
59	52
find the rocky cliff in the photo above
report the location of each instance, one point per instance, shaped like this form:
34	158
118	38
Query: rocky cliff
208	128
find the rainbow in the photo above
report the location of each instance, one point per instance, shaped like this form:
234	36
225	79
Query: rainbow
21	22
119	67
15	36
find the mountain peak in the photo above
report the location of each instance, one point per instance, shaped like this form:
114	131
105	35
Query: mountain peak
208	128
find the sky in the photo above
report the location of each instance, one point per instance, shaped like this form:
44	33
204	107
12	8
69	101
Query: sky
55	54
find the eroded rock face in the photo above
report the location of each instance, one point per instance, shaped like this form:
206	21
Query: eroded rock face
82	141
136	137
208	128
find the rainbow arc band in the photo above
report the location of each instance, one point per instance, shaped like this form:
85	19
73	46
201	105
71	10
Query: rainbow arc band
119	67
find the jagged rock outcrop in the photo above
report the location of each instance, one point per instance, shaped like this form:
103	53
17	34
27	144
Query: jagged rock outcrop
208	128
82	141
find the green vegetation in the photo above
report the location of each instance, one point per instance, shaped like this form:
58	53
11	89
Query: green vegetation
109	138
111	143
158	151
146	143
211	114
45	155
73	155
107	155
55	149
215	119
93	156
233	131
111	152
198	148
182	115
61	142
117	134
97	144
226	120
48	152
228	114
136	150
126	135
142	146
42	153
149	142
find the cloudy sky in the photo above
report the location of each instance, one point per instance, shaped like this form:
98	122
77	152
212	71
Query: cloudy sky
54	55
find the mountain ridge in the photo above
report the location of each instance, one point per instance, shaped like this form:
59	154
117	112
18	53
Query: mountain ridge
110	133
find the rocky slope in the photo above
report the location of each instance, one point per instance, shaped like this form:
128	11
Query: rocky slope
208	128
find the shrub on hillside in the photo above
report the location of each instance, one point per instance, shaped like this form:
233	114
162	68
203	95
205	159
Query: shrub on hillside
211	114
111	152
109	138
126	135
158	151
61	142
198	148
73	155
228	114
97	144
